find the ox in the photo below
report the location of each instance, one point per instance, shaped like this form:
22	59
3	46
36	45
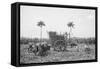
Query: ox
40	49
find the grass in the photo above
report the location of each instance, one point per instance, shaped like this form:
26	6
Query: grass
80	52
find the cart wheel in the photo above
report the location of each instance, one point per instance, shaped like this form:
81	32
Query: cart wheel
59	45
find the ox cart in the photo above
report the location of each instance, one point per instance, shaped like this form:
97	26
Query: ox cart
59	42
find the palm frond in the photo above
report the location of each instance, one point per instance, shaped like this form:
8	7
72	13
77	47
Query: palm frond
40	23
70	24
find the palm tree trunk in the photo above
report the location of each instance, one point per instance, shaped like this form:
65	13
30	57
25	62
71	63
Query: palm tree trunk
70	34
41	35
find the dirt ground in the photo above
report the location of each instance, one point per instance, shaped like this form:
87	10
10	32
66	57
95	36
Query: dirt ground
72	54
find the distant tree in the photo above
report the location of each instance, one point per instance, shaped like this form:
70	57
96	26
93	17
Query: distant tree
66	35
41	24
36	40
70	25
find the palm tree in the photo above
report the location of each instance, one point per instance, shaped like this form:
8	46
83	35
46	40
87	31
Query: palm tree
70	25
41	24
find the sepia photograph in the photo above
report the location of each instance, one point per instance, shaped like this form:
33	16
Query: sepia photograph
52	34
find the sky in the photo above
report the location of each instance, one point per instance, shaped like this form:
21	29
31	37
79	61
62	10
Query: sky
56	19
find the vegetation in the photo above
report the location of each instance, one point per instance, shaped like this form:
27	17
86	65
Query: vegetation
85	50
73	40
79	52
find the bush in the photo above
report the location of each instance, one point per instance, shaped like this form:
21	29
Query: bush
88	50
